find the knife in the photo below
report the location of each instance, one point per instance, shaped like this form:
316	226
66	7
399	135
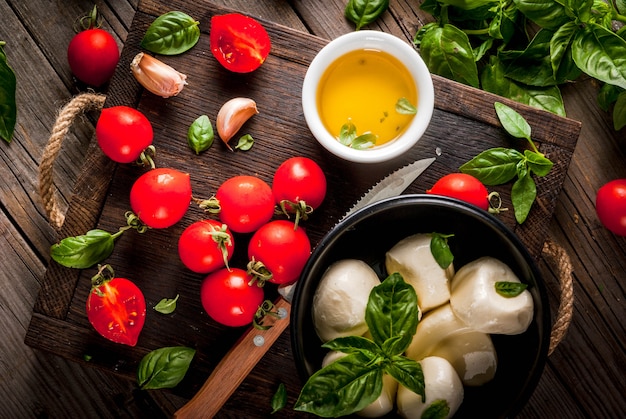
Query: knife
235	366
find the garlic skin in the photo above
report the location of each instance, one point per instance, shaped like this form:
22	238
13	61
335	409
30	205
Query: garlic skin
156	76
232	115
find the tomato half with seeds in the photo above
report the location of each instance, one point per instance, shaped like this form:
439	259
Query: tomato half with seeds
206	246
116	308
278	251
464	187
123	133
229	298
246	203
240	43
611	206
161	197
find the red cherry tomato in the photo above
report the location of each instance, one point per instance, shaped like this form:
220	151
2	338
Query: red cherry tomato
93	55
161	197
282	248
116	308
464	187
299	186
229	299
239	42
246	203
206	246
611	206
123	133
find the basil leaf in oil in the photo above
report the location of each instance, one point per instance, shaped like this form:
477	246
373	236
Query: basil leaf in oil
200	135
510	289
8	106
171	33
364	12
164	367
83	251
405	107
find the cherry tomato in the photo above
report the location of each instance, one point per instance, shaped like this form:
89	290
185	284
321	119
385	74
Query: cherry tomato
246	203
611	206
228	297
205	246
239	42
123	133
282	248
161	197
299	186
116	308
93	55
464	187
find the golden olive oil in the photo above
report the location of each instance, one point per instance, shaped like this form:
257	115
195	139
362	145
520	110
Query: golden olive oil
363	87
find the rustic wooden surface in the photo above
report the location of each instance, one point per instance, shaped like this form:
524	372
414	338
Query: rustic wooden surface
583	378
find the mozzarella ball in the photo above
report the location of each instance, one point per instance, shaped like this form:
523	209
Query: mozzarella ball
475	301
413	259
441	384
341	297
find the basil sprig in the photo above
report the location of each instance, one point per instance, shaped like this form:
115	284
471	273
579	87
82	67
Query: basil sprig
352	382
164	367
171	33
364	12
500	165
8	107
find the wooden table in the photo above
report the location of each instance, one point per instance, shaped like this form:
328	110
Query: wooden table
583	378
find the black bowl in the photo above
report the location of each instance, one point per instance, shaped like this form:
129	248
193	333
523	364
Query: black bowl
370	232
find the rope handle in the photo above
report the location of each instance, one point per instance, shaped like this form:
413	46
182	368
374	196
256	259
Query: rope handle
85	102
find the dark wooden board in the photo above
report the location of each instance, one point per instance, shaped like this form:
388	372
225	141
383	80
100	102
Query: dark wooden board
464	123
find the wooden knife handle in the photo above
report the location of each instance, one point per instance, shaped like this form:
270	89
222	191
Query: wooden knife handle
234	368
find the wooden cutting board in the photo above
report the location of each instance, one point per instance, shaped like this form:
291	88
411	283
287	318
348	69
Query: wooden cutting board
464	123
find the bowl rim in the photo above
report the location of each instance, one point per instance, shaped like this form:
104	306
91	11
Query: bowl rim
401	50
539	363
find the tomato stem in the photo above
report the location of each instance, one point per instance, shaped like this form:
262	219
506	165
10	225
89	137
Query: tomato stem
495	209
211	205
259	272
300	209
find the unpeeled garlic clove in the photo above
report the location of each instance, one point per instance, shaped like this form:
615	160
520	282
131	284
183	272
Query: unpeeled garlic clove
156	76
232	115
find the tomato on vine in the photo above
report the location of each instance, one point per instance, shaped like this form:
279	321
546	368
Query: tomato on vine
278	252
116	307
230	298
206	246
611	206
123	133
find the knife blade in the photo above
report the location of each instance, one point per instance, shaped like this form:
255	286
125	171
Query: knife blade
246	353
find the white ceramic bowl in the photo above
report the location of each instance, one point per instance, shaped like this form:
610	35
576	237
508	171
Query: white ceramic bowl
381	41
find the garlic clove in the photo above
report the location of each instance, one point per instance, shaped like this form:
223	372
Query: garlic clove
156	76
232	115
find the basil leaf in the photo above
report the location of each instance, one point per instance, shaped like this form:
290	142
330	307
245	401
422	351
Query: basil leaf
164	367
608	95
523	194
563	65
200	135
510	289
439	409
167	305
619	112
533	65
392	311
352	344
403	106
440	249
171	33
8	106
83	251
494	166
538	164
364	141
364	12
341	388
279	399
545	13
512	121
245	142
408	373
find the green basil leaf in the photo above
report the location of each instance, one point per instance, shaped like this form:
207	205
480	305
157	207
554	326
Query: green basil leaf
537	163
608	95
364	12
245	142
164	367
523	194
364	141
352	344
83	251
279	399
341	388
563	65
439	409
619	112
494	166
440	249
171	33
408	373
8	106
391	311
599	52
533	65
467	4
404	107
621	6
200	135
448	53
514	123
167	305
347	133
510	289
545	13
